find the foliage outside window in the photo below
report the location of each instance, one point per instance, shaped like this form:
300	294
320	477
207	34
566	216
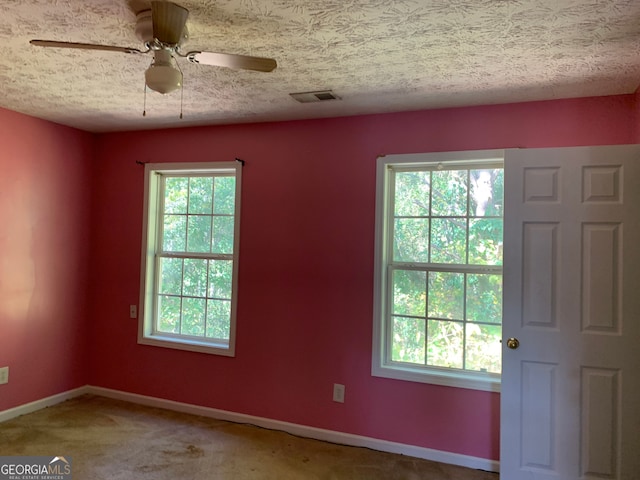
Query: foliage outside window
190	256
439	269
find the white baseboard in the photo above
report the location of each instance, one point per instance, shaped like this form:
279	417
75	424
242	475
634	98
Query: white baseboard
295	429
42	403
304	431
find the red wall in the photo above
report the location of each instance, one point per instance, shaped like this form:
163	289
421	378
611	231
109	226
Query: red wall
44	243
306	265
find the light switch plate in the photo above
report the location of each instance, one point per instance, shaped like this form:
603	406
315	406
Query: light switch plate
338	393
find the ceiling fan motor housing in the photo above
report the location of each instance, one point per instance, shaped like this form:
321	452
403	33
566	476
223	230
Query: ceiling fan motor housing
144	26
144	29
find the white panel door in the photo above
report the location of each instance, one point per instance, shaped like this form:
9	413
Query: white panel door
570	402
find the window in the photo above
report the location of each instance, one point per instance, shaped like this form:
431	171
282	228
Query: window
438	297
190	256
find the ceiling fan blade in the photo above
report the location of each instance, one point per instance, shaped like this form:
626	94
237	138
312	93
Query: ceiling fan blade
237	62
169	20
84	46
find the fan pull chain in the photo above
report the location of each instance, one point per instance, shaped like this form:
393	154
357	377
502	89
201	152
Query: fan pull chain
144	108
181	87
181	97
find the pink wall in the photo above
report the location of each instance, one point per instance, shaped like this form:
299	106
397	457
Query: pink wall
305	304
44	238
306	265
636	116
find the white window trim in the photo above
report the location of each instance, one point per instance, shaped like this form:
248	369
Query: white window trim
380	367
146	335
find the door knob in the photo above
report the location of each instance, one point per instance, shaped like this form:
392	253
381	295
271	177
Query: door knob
513	343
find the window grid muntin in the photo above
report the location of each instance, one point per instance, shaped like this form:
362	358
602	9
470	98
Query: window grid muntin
464	321
465	269
160	254
206	298
161	211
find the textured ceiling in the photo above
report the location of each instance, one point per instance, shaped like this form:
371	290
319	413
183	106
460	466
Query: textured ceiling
377	55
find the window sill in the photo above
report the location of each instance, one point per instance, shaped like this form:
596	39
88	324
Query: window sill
187	344
472	381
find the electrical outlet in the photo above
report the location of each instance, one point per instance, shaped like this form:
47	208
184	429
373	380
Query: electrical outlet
133	311
4	375
338	393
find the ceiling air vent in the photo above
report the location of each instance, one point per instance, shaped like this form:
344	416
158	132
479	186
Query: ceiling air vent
319	96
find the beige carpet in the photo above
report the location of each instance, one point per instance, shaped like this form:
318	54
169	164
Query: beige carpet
114	440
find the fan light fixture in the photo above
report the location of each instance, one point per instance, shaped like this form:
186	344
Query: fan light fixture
163	75
162	29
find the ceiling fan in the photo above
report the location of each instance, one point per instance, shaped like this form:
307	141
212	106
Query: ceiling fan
162	29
